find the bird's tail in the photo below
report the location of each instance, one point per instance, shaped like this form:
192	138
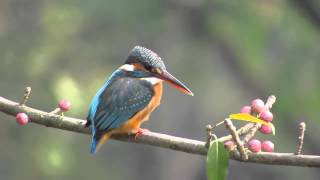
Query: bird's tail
97	141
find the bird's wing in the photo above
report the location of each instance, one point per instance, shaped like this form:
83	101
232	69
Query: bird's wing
123	98
95	101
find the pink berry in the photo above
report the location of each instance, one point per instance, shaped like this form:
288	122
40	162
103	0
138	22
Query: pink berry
265	129
266	115
254	145
64	105
229	145
22	118
267	146
257	105
246	109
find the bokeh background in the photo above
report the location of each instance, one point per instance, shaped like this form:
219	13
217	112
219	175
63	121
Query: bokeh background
227	52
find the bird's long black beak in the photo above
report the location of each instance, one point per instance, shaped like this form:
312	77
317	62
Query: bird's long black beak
166	76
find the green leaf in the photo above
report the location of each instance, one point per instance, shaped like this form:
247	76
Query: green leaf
217	161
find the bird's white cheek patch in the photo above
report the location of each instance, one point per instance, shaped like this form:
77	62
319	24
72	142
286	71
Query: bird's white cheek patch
152	80
127	67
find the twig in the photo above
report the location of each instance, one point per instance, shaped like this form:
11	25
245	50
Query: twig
209	135
218	124
236	138
302	129
241	131
155	139
55	111
27	92
270	101
251	132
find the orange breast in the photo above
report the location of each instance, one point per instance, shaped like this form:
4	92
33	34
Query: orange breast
133	124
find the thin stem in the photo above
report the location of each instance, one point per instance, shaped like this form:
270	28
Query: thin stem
251	132
302	129
236	138
27	92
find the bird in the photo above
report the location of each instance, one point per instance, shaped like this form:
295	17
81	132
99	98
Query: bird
129	96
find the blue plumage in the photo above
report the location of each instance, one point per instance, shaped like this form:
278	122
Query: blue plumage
119	99
93	109
95	101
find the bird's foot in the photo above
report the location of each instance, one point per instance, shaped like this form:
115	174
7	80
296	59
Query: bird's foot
140	132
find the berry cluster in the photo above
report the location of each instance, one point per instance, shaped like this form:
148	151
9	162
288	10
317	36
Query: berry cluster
23	119
261	110
255	145
263	113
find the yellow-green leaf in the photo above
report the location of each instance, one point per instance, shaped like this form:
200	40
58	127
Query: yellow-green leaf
250	118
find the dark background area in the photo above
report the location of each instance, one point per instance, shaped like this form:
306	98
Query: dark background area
227	52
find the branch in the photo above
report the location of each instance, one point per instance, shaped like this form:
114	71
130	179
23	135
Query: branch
155	139
236	138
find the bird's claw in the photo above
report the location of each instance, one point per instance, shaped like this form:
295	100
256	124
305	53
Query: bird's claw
140	132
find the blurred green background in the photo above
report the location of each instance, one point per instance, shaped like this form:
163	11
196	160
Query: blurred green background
227	52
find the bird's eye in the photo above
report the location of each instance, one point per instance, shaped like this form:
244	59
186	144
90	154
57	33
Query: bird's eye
149	68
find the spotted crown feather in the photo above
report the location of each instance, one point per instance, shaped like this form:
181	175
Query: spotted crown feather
146	57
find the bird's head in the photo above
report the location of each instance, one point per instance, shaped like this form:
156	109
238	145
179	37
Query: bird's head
143	62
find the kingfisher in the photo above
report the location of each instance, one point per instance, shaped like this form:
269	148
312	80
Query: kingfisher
129	96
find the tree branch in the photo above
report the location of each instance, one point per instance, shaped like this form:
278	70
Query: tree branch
155	139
